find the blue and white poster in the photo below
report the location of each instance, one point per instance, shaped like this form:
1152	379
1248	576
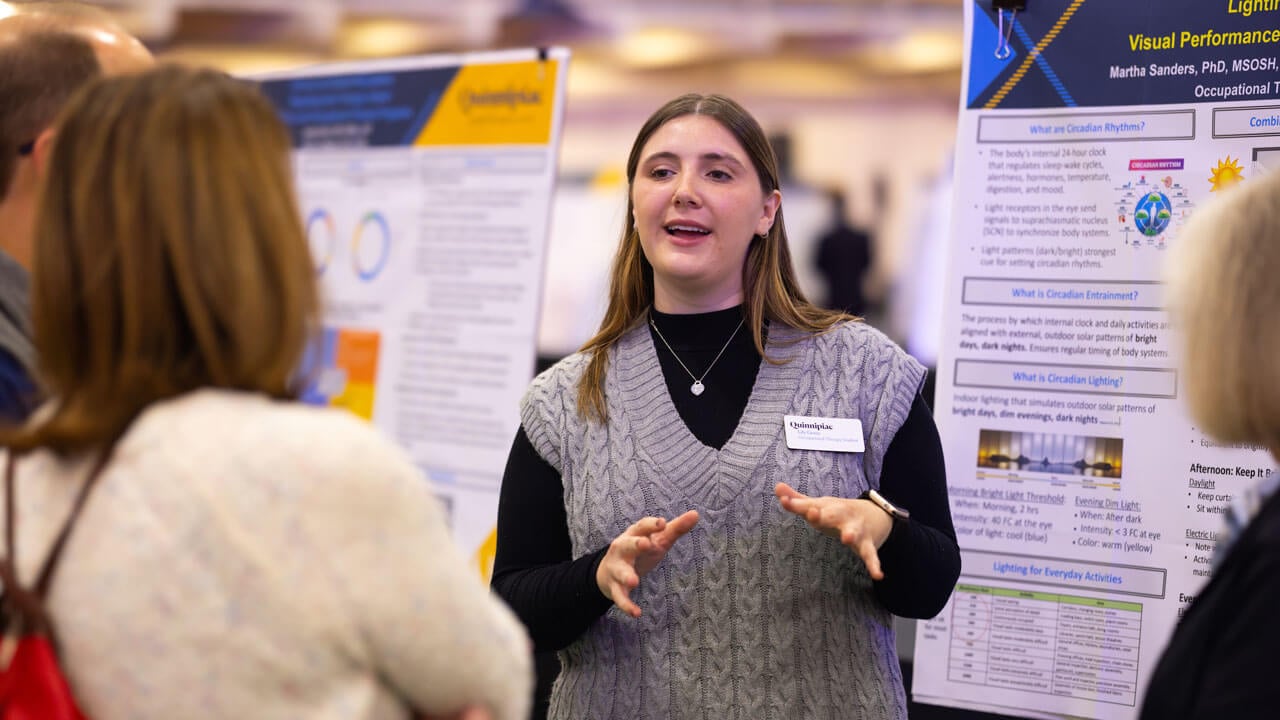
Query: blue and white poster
426	185
1086	502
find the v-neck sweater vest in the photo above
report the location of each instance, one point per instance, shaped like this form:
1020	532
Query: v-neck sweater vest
753	614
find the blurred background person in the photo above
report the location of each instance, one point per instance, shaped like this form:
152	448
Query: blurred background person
241	555
1224	297
47	51
843	257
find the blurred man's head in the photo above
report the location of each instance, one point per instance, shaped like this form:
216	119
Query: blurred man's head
47	52
117	51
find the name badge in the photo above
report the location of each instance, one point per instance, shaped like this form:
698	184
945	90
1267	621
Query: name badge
819	433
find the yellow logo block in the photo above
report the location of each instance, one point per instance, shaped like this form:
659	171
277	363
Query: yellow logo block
499	104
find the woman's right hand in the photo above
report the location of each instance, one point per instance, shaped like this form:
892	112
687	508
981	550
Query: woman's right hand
635	552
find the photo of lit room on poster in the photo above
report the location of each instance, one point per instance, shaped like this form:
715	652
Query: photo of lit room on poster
1057	454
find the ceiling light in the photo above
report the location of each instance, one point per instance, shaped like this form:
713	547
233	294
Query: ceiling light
919	52
661	47
383	38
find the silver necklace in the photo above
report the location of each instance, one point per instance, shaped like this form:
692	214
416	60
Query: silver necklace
697	387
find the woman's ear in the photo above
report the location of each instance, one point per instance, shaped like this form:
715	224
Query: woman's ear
772	202
42	150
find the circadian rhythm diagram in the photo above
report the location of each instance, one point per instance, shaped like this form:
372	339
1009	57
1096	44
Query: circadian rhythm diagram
369	248
1149	208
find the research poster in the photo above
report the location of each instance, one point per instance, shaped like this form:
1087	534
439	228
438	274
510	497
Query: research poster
425	186
1086	502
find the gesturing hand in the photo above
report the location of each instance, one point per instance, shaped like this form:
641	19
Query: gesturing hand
635	552
860	524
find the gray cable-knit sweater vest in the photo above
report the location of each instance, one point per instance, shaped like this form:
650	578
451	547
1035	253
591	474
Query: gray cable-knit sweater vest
753	614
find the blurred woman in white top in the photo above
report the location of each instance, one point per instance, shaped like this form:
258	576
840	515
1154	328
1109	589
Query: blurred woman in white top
242	555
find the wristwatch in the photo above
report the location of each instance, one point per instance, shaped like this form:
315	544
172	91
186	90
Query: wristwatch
895	512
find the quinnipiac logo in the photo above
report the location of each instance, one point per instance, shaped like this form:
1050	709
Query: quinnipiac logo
810	426
509	98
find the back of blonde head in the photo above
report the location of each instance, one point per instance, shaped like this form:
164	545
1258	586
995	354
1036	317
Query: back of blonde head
1224	292
169	253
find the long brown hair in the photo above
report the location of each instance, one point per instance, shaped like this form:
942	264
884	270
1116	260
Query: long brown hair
768	277
170	255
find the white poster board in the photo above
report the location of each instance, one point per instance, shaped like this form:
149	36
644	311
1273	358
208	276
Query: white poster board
1086	502
426	187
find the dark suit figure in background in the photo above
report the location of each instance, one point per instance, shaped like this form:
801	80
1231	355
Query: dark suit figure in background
843	258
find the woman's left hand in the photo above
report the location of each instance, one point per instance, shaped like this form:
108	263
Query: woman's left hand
859	524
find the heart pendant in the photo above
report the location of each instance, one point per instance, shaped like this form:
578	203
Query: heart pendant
697	387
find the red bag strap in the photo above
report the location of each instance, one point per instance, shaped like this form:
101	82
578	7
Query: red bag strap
30	603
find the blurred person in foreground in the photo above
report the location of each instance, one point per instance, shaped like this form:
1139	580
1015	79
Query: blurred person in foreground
47	51
1224	297
242	555
660	525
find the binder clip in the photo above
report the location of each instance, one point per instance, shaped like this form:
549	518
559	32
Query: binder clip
1003	50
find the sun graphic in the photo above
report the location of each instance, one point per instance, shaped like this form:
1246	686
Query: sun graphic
1225	174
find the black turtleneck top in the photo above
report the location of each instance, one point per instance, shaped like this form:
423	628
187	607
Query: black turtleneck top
556	595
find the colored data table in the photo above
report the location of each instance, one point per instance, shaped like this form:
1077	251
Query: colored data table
1046	642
